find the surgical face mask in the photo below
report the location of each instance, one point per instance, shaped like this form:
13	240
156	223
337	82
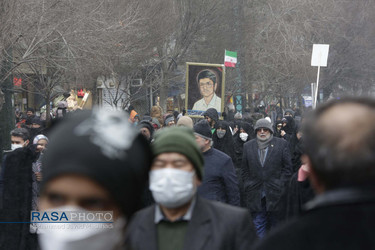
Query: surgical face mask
220	133
15	146
75	236
244	136
171	187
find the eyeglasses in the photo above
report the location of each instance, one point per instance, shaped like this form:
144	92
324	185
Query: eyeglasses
263	129
205	84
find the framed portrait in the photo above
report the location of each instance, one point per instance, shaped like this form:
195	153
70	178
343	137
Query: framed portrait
205	87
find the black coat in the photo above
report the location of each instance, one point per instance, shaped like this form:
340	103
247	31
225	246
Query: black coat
340	219
17	196
291	131
271	178
238	143
220	181
296	195
224	144
296	157
213	225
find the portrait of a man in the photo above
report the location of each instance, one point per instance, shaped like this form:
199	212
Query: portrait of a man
207	83
204	88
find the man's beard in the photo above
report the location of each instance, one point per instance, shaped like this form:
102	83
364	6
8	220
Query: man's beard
264	138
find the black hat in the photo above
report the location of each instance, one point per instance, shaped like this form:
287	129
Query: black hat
148	125
104	147
203	129
30	109
289	111
212	113
36	120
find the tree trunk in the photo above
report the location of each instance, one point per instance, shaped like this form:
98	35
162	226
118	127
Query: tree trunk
7	112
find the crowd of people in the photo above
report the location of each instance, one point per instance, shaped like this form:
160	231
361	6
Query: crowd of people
270	180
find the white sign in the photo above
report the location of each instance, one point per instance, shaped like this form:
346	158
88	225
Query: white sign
320	55
308	101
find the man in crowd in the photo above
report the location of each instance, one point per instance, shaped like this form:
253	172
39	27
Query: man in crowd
19	138
36	128
266	168
30	114
339	141
180	219
220	181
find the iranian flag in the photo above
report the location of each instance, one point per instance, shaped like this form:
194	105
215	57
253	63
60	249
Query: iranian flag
230	59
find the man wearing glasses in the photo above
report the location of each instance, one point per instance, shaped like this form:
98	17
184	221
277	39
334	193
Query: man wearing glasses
207	83
266	167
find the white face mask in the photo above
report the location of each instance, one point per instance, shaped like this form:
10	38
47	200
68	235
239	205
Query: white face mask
76	236
171	187
244	136
15	146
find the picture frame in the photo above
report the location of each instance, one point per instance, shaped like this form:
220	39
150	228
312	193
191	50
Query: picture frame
201	91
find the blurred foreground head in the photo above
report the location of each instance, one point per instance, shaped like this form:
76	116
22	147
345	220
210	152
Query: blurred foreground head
339	140
97	161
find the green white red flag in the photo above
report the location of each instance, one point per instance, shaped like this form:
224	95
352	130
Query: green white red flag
230	59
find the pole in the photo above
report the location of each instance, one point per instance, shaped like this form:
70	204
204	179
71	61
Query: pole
316	88
313	93
150	98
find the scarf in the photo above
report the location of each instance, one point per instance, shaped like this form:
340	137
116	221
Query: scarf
262	145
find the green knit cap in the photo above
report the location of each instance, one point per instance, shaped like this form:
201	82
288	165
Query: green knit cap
179	140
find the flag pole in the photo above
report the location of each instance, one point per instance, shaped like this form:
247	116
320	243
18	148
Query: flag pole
316	88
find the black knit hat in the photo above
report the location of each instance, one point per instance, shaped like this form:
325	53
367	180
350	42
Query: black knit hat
179	140
36	120
212	113
290	111
203	129
148	125
30	109
104	147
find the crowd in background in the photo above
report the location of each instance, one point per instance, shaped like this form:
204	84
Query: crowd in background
252	160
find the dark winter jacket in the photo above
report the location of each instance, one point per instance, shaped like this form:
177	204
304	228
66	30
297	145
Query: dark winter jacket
17	196
224	144
213	225
342	219
296	195
238	142
296	157
219	178
290	130
270	179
